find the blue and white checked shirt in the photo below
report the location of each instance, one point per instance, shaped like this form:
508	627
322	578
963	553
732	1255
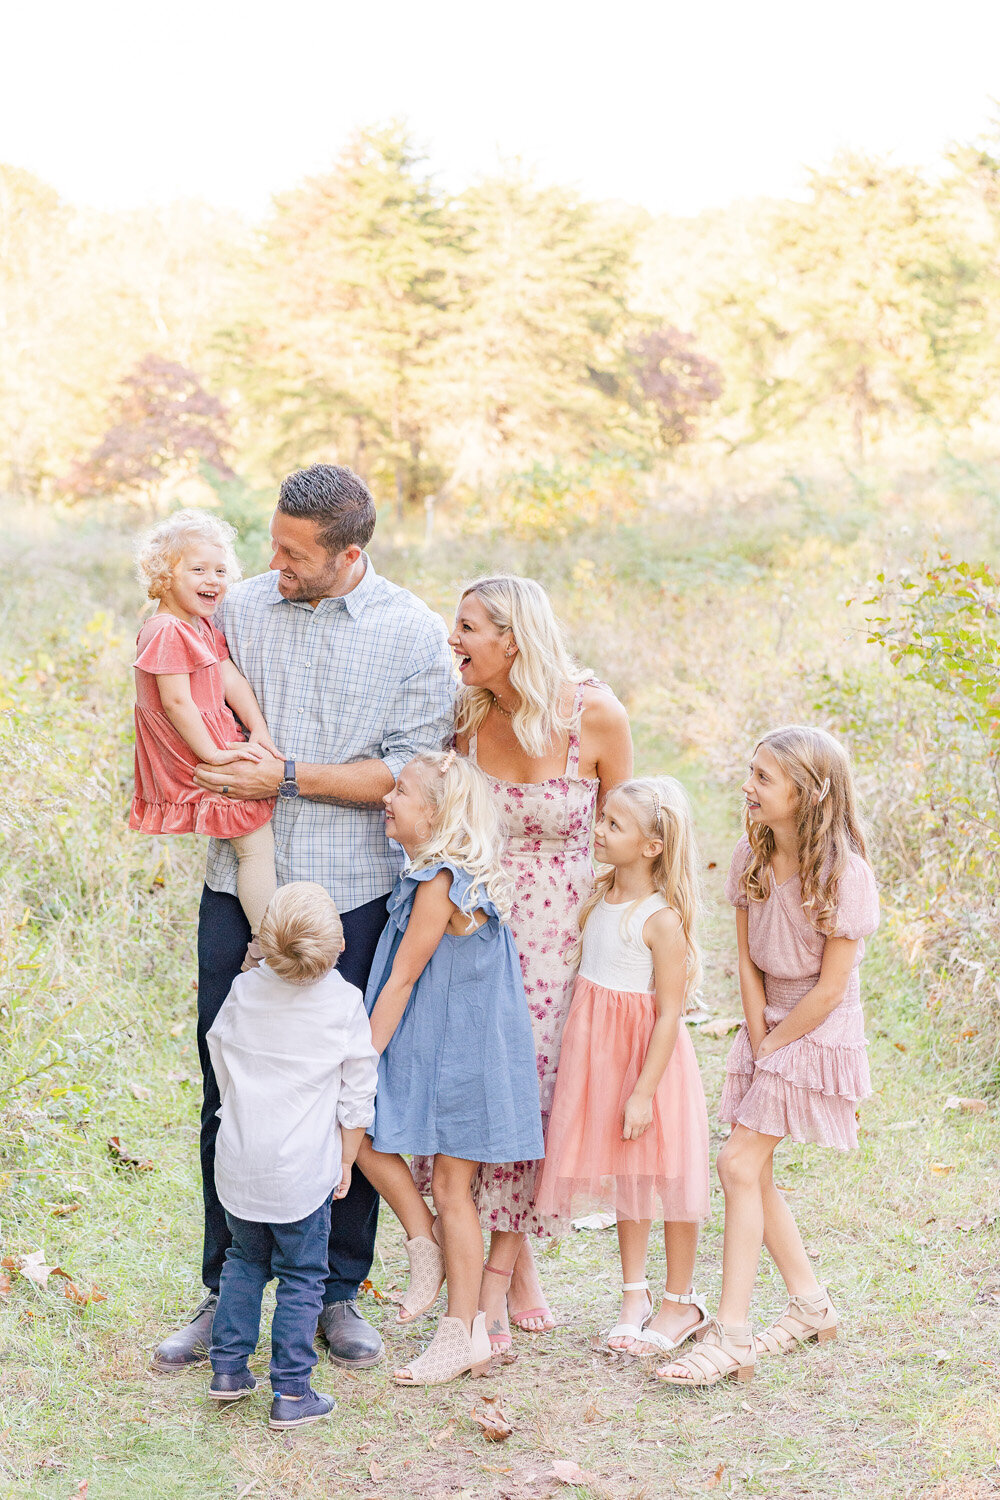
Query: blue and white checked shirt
368	676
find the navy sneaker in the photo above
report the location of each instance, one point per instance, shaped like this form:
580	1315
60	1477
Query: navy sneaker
286	1411
232	1387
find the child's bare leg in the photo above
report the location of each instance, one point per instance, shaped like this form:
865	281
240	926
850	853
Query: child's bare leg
674	1319
633	1244
741	1165
256	881
390	1177
461	1235
505	1247
526	1292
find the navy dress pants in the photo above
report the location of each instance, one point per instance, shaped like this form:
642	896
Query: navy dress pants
223	934
294	1253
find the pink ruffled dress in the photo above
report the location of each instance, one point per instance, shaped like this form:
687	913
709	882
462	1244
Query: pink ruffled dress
166	798
604	1047
808	1090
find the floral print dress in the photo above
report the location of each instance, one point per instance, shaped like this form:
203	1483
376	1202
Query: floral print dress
550	826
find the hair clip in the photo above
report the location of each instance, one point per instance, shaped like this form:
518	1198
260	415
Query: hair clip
446	764
657	810
824	790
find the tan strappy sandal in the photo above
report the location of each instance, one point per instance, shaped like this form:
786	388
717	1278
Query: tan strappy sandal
451	1352
426	1278
804	1318
658	1342
725	1351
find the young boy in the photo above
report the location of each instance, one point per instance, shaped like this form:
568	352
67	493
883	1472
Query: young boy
292	1053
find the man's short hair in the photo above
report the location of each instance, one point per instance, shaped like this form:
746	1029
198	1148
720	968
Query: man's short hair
336	499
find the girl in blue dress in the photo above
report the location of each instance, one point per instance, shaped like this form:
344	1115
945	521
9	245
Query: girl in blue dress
457	1077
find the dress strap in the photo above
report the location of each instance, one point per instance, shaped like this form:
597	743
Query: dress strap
573	750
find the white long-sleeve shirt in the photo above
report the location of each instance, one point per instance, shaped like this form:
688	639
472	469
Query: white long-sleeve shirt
294	1063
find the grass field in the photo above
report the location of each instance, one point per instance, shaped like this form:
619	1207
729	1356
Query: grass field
97	1016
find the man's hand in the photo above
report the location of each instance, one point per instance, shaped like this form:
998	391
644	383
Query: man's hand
341	1190
245	780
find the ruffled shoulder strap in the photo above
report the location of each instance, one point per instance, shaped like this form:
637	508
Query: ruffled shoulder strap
857	900
167	645
735	894
401	901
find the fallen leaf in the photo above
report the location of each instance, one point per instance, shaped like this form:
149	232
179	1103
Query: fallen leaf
45	1462
179	1029
941	1356
10	1264
969	1033
82	1488
969	1106
900	1046
712	865
715	1478
942	1168
33	1266
489	1415
124	1159
372	1289
721	1026
4	1284
60	1210
376	1471
812	1252
443	1435
592	1414
568	1472
140	1092
593	1221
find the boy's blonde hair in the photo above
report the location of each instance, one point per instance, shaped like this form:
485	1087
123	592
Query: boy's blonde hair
466	827
161	549
540	671
301	935
828	825
661	808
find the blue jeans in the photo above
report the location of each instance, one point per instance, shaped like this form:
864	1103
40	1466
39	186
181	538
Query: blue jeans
297	1255
223	934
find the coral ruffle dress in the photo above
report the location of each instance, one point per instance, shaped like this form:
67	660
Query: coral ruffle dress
604	1047
809	1089
166	798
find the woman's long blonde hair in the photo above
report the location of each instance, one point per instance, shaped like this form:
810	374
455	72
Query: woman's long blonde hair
466	828
828	825
540	671
662	810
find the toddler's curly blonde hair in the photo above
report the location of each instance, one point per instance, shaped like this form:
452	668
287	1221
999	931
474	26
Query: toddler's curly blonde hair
161	549
301	935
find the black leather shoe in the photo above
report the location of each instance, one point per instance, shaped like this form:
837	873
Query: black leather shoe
226	1387
350	1338
312	1407
189	1345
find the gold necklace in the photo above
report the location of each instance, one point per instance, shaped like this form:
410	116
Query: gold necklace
508	713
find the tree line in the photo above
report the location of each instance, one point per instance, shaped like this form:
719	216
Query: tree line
456	343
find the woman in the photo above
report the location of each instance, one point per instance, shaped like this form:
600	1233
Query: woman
552	742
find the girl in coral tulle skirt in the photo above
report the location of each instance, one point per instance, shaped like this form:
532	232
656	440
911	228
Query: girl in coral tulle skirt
805	901
629	1126
185	689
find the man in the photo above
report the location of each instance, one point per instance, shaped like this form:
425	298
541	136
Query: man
354	676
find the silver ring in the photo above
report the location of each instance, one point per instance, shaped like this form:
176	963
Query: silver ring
225	789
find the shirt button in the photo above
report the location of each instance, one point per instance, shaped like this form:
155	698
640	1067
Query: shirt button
300	710
308	663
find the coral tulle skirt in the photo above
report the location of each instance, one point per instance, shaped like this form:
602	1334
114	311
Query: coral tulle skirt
662	1174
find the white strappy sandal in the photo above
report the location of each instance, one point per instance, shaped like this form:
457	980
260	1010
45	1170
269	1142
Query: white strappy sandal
629	1330
659	1343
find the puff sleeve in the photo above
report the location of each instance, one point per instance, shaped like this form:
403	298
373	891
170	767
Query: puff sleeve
857	901
735	895
167	645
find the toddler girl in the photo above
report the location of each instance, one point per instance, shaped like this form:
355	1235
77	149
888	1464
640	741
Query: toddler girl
185	686
629	1123
805	901
457	1078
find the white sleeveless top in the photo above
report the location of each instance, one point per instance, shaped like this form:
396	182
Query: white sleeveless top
614	954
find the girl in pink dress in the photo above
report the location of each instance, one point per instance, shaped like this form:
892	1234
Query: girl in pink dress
629	1125
805	900
185	686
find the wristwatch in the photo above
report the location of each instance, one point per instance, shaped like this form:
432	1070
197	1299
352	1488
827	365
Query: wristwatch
288	787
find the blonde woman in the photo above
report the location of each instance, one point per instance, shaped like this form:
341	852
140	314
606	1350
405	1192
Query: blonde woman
805	900
457	1071
629	1127
551	742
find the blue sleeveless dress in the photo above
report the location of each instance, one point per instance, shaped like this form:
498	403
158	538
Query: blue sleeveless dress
459	1076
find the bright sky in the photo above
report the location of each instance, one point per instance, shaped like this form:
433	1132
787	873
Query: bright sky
676	106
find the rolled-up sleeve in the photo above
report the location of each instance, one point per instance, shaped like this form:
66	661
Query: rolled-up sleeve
422	709
358	1074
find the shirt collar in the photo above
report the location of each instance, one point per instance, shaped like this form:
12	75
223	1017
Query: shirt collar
354	602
